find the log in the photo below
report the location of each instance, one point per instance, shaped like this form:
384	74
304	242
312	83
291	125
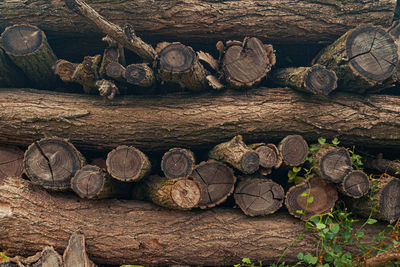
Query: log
140	75
364	59
10	75
294	150
93	182
197	121
75	254
246	63
332	163
236	153
27	47
52	162
258	197
178	64
181	194
323	193
110	55
269	154
215	237
127	164
216	182
315	79
384	197
209	21
11	162
178	163
382	165
355	184
48	257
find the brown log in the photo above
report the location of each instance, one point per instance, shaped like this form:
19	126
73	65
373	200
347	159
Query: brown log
236	153
178	163
10	75
139	75
382	165
32	218
75	253
246	63
293	149
196	121
208	21
11	161
323	193
355	184
127	164
216	182
52	162
27	47
258	197
48	257
364	59
110	55
384	197
269	154
385	258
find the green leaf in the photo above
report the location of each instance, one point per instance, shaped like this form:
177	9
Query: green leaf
246	261
335	141
309	159
301	236
320	226
310	200
304	194
371	221
296	169
314	148
299	211
321	141
360	234
291	174
335	228
310	259
300	256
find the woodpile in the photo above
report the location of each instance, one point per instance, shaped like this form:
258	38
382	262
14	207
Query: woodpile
182	126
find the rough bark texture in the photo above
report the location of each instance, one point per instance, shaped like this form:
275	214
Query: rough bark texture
75	254
269	154
195	121
30	219
210	20
380	164
10	75
355	184
11	162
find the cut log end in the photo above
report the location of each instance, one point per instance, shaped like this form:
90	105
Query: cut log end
294	150
372	53
64	69
21	39
11	162
88	181
216	182
323	193
176	58
250	162
52	162
186	193
320	80
355	184
258	197
114	70
335	165
389	202
269	156
177	163
126	163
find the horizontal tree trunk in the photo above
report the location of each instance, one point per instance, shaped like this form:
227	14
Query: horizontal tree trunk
209	21
194	121
132	232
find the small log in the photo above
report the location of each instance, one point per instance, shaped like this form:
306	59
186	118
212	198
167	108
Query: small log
11	162
181	194
259	197
115	71
382	165
355	184
86	73
94	183
48	257
315	79
52	162
178	163
236	153
269	155
246	63
127	164
10	75
65	70
107	88
216	182
384	196
332	163
364	59
27	47
110	55
179	64
385	258
294	150
75	254
322	193
140	75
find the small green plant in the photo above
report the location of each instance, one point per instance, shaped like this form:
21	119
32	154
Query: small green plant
356	160
246	262
3	256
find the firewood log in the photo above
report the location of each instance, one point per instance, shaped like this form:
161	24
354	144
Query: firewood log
258	197
110	55
246	63
10	75
139	75
127	164
52	162
322	193
355	184
382	165
216	182
294	150
27	47
48	257
269	154
178	163
236	153
384	197
364	59
11	161
315	79
75	253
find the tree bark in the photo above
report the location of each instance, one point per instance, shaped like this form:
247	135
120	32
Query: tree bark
210	20
75	254
10	75
11	162
194	121
382	165
126	232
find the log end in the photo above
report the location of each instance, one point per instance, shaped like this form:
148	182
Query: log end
176	58
355	184
186	193
335	165
294	150
320	80
177	163
389	200
250	162
88	181
22	39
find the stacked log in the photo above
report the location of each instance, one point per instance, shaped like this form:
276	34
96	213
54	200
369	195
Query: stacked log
11	162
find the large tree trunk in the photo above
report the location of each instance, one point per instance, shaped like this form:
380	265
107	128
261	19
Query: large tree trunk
196	121
123	232
209	21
